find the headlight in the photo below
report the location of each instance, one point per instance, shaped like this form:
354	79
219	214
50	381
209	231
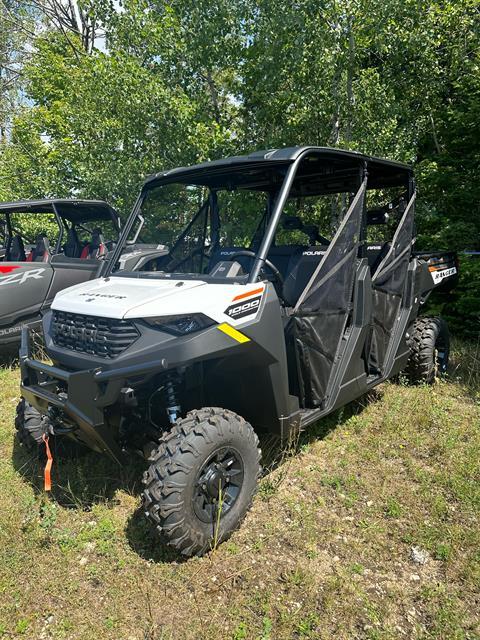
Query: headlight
181	325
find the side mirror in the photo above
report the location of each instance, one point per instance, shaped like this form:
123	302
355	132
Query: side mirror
140	223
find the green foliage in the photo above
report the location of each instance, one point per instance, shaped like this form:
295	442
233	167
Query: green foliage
29	226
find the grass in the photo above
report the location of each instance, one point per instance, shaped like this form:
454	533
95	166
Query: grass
324	553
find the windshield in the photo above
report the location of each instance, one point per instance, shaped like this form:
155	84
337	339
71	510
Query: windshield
200	225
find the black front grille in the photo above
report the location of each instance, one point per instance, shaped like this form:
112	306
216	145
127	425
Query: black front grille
104	337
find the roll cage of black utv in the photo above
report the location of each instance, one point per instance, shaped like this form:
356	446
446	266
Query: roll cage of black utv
68	214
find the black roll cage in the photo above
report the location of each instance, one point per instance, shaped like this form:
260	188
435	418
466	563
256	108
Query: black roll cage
276	200
58	220
61	219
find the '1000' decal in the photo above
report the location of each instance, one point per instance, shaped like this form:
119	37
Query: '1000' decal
245	304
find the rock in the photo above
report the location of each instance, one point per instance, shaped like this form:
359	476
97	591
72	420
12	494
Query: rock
419	556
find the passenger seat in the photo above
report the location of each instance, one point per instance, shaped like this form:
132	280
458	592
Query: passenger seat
72	248
376	251
96	248
41	250
223	254
17	250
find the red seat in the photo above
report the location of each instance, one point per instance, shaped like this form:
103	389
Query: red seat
41	251
96	248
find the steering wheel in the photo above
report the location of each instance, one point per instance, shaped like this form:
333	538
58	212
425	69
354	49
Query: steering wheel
270	265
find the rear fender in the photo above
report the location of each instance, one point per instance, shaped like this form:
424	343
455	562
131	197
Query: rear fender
439	271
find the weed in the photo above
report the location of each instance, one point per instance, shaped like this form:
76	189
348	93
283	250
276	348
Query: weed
232	548
443	551
296	577
357	568
240	632
307	626
393	508
22	625
267	627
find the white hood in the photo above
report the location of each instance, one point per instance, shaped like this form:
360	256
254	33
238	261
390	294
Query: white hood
129	298
119	297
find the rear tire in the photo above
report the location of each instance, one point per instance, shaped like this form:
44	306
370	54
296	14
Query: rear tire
30	426
429	344
209	450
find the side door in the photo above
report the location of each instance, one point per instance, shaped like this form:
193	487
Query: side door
68	272
23	288
323	310
391	295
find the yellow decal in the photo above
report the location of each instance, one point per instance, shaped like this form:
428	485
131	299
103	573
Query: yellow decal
233	333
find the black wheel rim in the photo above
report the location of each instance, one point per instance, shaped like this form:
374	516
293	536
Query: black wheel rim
218	484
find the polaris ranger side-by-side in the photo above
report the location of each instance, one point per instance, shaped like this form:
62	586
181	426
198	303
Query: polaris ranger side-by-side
72	246
290	288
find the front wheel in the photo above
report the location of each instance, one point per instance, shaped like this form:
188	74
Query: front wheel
429	343
201	479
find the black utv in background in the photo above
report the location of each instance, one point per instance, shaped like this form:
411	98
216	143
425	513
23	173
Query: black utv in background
76	238
290	288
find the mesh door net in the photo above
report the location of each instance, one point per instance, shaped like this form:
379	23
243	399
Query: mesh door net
320	315
388	285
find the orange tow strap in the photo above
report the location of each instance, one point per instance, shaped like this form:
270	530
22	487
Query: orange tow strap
48	466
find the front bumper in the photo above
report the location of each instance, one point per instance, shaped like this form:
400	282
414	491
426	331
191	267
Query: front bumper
80	396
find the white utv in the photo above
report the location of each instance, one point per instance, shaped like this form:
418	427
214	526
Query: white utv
266	314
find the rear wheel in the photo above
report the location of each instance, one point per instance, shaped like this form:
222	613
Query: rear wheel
429	344
31	426
201	479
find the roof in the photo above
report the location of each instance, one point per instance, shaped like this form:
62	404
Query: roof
72	210
382	172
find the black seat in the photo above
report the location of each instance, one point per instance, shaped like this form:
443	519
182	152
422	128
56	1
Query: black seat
72	247
300	270
281	256
41	250
222	254
17	250
376	251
